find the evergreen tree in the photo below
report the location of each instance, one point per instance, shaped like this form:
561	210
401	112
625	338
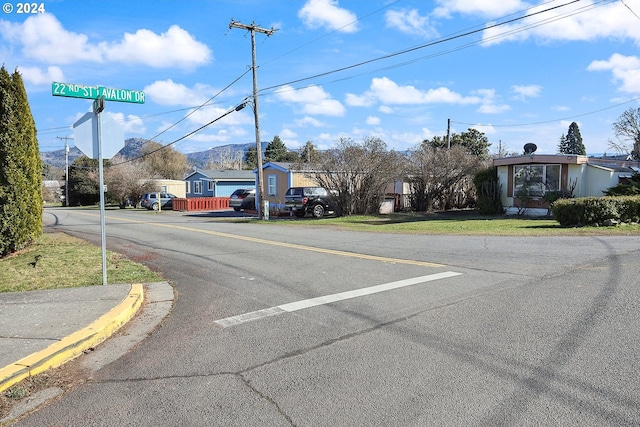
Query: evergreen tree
473	141
562	145
309	154
84	181
276	151
572	143
20	167
251	158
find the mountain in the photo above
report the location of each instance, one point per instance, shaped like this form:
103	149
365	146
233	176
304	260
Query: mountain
133	148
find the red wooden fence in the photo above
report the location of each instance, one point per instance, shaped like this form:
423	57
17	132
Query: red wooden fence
200	204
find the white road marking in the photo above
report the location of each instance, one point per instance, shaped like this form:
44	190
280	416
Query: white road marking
327	299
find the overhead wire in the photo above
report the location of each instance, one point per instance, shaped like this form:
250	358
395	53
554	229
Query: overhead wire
451	37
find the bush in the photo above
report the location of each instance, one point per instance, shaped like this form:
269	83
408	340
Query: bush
596	210
488	190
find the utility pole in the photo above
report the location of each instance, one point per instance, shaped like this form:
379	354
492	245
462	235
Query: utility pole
448	133
253	28
66	169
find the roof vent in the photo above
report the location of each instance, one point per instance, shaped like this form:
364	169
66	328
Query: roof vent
530	148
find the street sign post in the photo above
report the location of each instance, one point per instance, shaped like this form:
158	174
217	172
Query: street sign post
90	131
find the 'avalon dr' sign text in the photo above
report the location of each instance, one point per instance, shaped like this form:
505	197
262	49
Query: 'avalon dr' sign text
96	92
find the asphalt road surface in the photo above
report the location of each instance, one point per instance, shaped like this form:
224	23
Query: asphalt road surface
278	325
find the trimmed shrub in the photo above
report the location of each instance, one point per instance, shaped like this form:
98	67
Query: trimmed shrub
20	168
488	191
596	210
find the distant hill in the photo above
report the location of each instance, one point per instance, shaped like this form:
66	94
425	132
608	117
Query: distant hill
133	148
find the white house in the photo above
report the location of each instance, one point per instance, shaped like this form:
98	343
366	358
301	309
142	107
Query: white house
531	176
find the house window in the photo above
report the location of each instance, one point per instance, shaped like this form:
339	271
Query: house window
211	185
197	187
187	187
536	180
272	187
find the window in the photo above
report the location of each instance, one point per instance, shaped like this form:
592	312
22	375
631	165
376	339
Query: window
272	188
197	187
211	185
187	187
536	180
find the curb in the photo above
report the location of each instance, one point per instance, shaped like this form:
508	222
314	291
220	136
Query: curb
75	344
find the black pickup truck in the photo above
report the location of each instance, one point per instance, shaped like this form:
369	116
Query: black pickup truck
317	201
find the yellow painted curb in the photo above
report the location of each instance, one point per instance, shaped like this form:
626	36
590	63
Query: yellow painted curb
75	344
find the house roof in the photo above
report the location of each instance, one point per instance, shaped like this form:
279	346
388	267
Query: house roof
568	159
225	175
289	167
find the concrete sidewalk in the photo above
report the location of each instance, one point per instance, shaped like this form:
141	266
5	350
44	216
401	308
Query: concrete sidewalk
40	330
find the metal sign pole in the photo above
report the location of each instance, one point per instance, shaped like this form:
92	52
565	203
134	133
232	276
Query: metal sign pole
98	106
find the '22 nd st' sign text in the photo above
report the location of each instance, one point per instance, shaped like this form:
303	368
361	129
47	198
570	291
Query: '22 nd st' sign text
96	92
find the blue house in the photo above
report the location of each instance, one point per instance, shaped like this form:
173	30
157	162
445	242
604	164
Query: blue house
218	183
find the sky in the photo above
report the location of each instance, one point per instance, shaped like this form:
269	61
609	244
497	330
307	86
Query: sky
398	70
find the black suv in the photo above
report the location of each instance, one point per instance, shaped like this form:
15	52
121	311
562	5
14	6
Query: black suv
316	200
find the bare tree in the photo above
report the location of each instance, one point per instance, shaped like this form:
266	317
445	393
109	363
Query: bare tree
358	173
227	158
627	132
127	181
164	162
433	173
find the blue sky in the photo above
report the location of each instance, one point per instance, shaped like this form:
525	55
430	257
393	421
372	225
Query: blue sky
407	67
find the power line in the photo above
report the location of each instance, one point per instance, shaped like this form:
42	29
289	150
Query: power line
550	121
419	47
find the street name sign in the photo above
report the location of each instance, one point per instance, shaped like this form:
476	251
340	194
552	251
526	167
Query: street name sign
71	90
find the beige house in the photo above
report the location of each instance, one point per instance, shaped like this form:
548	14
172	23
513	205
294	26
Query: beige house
532	176
278	177
173	186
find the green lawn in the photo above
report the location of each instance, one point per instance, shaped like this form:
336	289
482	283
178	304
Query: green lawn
460	223
57	260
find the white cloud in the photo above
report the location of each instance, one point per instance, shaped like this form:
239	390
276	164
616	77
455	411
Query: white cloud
571	23
326	13
289	138
490	9
625	69
167	92
175	48
489	104
526	91
130	124
372	120
410	22
308	121
311	100
389	92
43	38
36	76
354	100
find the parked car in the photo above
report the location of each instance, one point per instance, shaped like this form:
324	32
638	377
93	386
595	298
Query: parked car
243	198
318	201
150	201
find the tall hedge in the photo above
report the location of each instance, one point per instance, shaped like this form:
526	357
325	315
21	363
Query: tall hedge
20	167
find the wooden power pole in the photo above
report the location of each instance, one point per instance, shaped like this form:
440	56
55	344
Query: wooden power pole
66	169
253	28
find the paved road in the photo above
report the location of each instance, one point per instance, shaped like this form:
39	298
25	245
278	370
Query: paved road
279	326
